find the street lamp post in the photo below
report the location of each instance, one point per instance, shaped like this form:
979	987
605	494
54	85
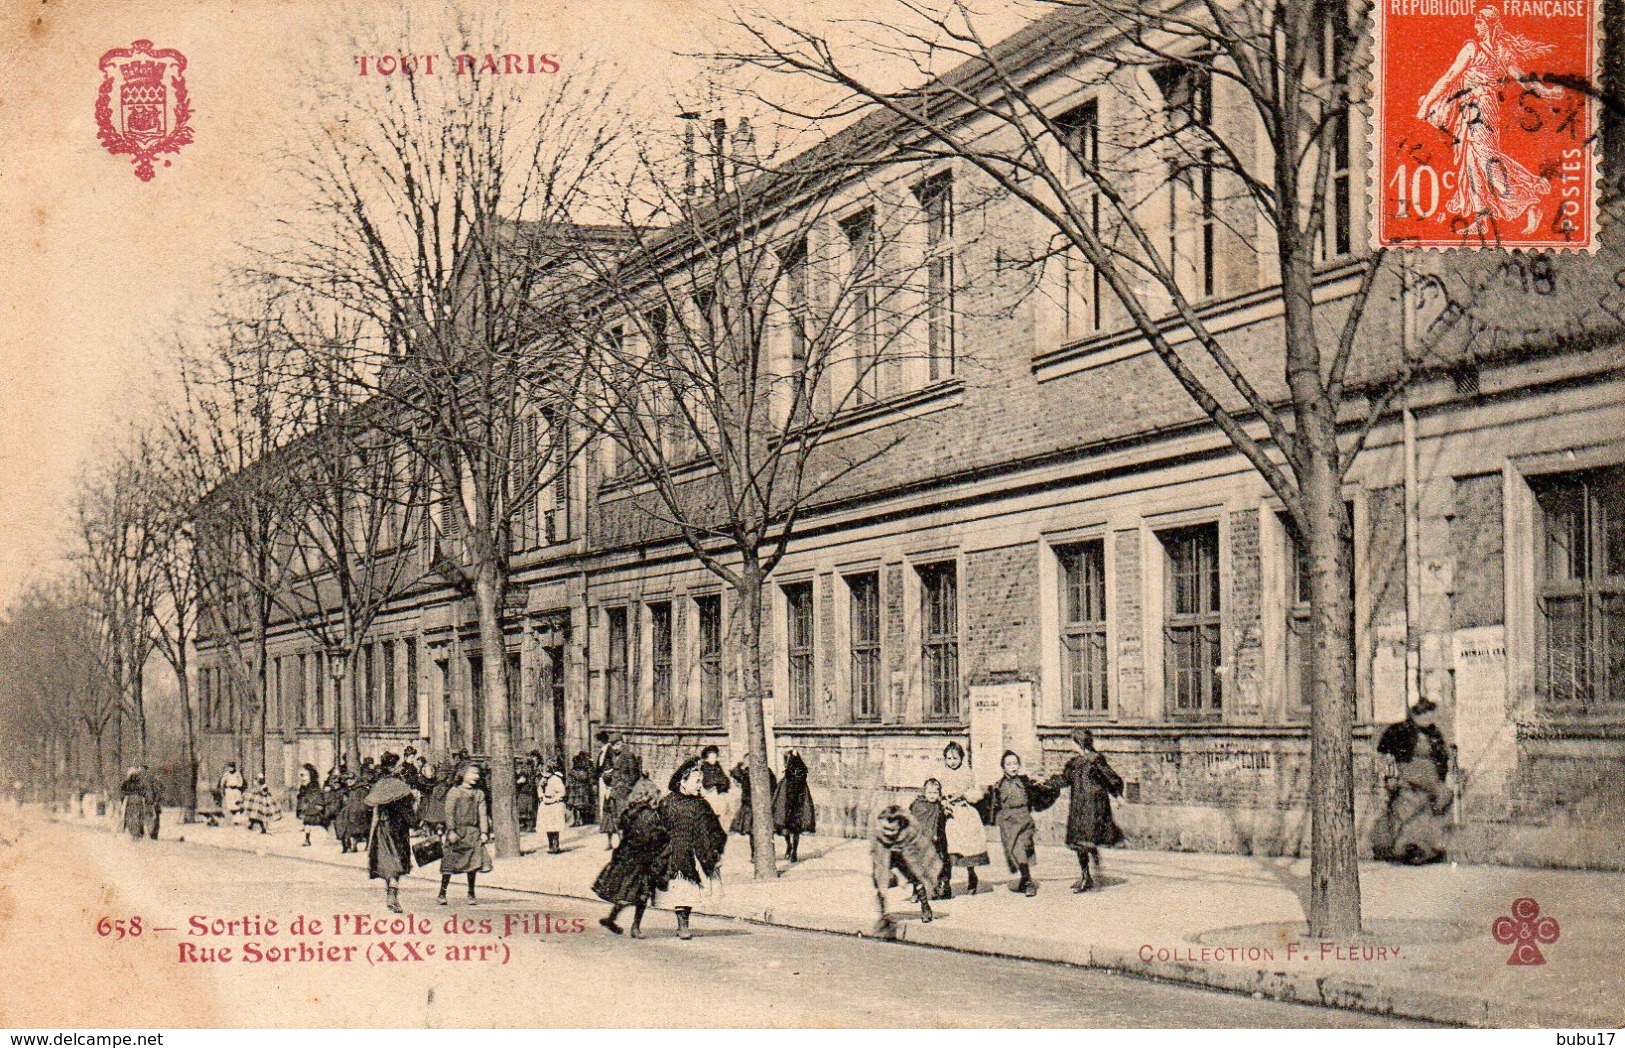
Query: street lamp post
337	664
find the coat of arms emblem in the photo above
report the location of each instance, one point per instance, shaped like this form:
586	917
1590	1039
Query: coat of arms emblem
143	108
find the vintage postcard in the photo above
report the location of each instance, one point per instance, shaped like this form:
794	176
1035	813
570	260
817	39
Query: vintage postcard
881	513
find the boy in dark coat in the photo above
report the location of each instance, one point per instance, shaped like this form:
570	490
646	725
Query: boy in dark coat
1089	822
1011	802
897	846
932	819
742	816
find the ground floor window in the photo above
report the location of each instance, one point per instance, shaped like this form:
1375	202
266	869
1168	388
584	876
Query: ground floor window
1191	620
1581	596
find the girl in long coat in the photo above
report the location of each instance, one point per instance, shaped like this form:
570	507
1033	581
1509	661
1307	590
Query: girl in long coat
1012	801
468	828
793	811
582	789
1089	822
354	821
931	817
694	854
550	812
389	844
898	846
625	769
311	802
633	873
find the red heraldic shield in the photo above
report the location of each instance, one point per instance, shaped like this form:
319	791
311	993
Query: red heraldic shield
143	108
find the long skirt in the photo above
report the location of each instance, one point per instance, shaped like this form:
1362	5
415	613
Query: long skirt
1416	810
135	817
967	837
1017	832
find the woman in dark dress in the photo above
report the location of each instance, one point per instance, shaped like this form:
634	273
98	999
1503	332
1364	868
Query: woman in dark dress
1418	798
311	802
389	844
468	829
693	871
793	811
1089	822
632	875
625	769
1012	801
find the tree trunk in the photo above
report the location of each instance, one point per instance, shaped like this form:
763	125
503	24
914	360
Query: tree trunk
1334	871
749	594
188	727
498	729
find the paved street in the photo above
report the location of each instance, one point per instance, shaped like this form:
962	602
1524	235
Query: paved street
59	881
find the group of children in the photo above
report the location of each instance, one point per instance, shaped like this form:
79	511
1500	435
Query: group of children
943	827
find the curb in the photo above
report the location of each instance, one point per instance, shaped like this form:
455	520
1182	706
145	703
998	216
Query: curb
1276	984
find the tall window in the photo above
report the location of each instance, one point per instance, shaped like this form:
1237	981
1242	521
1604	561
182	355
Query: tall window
1082	302
794	262
301	693
1336	234
369	684
1582	592
1083	627
798	618
388	682
1187	90
863	603
939	648
525	469
709	612
616	670
660	648
407	715
859	230
1191	620
936	198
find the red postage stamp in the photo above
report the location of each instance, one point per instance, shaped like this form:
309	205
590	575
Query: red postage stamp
1486	120
142	108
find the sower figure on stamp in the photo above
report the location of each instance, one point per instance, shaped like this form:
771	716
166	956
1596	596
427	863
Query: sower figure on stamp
468	829
1011	803
633	874
1089	822
1417	796
898	848
389	844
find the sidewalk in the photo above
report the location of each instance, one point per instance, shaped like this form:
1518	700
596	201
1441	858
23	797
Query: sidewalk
1230	922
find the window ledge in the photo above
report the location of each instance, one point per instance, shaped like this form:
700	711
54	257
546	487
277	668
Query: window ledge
1335	281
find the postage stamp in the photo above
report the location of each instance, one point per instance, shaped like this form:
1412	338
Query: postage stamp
1485	124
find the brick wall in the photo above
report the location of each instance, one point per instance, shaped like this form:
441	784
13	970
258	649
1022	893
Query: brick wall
1244	685
1000	608
1477	539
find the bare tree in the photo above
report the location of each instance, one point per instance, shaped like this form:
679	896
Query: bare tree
178	588
440	202
1142	136
120	533
232	415
55	693
729	344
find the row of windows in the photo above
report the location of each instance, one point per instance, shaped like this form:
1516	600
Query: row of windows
305	695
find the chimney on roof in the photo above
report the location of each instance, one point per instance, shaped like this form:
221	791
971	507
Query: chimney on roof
719	151
690	159
744	148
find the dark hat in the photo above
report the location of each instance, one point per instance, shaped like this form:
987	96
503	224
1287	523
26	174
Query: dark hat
682	771
1084	737
1423	707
